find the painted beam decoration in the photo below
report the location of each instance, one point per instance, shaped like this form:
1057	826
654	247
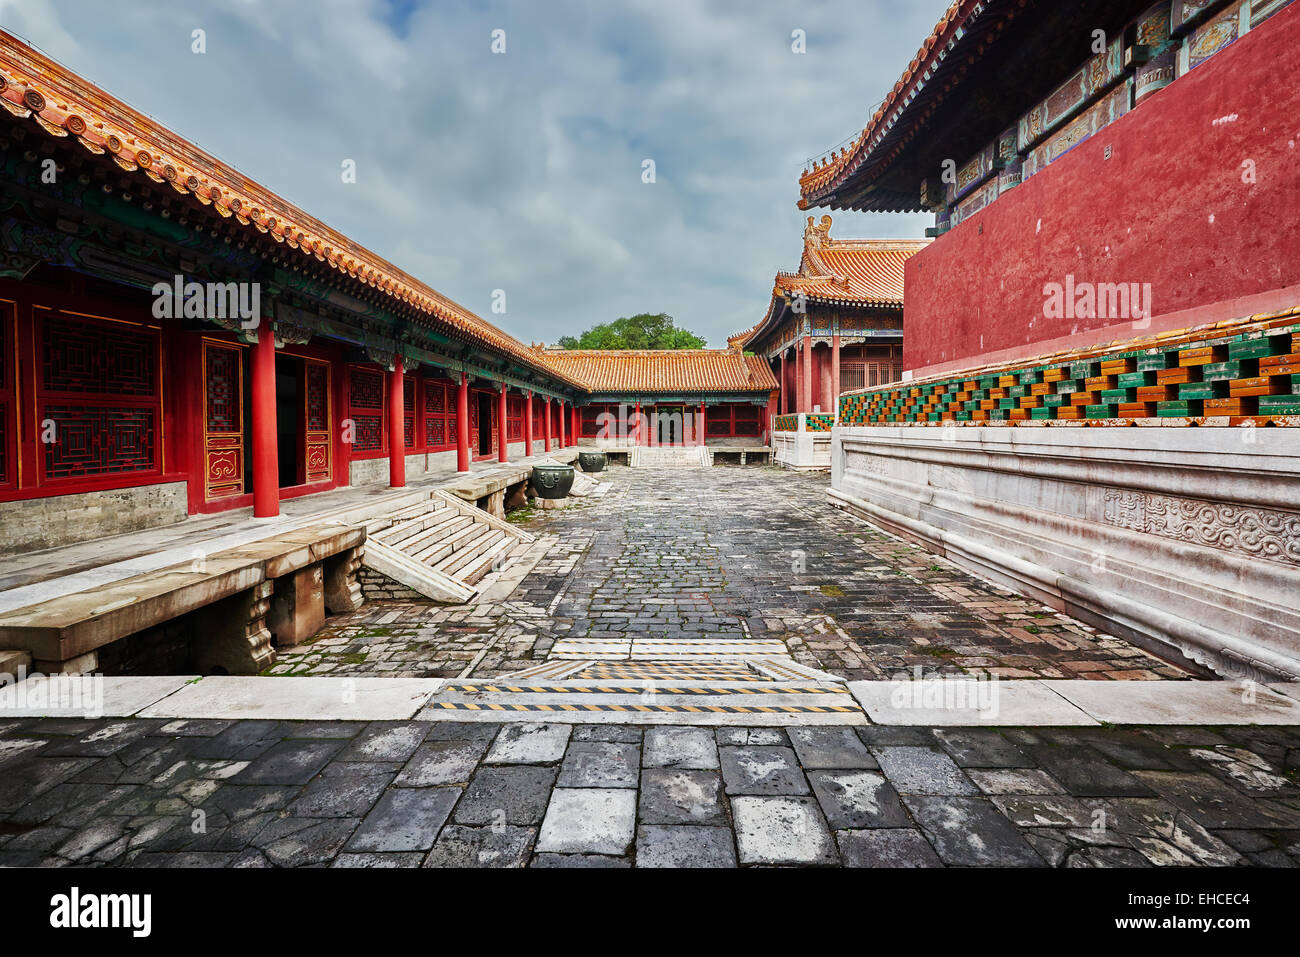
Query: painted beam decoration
1242	373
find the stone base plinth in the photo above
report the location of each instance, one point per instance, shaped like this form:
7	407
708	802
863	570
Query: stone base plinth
803	451
1183	541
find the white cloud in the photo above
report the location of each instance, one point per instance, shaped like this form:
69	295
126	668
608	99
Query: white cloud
522	171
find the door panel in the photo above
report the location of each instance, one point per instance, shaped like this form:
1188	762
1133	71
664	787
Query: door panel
223	421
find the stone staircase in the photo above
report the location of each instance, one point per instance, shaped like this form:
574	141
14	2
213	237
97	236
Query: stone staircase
441	547
669	457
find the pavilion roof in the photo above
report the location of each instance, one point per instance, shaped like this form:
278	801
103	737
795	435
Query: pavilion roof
64	104
867	271
855	272
664	370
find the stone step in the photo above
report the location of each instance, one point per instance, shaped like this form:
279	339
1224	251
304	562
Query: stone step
404	531
442	546
436	548
674	688
687	702
416	575
435	531
487	559
669	457
649	649
468	548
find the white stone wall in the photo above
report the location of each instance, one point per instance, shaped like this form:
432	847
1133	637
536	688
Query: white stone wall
375	471
1183	540
806	451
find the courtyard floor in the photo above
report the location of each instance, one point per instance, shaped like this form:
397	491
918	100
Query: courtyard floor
677	560
152	792
729	553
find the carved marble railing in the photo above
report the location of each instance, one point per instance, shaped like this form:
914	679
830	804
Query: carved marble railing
1183	540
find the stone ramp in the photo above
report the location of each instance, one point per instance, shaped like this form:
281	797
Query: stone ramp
441	546
658	681
655	692
669	457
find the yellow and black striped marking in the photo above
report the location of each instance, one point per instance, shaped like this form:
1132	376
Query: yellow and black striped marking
575	655
634	708
657	689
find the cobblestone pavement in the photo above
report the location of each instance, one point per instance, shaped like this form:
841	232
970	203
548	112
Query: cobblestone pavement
262	793
730	553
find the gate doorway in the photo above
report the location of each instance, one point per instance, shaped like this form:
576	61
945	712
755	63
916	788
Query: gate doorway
670	424
288	420
484	438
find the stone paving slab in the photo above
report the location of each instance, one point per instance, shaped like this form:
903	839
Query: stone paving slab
297	699
938	702
121	697
714	556
400	793
1023	703
1183	702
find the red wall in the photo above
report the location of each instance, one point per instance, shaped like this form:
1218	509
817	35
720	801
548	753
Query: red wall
1168	208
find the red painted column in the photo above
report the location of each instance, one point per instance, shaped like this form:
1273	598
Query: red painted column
835	377
559	423
575	426
704	436
807	375
783	397
528	425
462	424
636	424
797	397
546	422
266	465
396	432
502	432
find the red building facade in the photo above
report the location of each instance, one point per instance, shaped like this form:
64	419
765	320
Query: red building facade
176	339
1061	171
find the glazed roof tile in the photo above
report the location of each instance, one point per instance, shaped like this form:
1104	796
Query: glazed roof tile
670	370
863	272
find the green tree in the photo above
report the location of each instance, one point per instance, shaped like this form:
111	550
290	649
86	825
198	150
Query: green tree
642	331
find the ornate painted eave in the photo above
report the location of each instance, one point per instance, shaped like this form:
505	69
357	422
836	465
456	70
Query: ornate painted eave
63	104
956	41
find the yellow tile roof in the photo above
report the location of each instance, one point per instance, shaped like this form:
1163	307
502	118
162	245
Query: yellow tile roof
671	370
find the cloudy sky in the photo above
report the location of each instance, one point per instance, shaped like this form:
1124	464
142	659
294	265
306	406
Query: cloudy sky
522	171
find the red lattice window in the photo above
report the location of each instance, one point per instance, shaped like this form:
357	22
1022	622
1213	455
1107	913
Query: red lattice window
439	414
738	420
514	418
408	412
318	397
591	423
223	385
366	408
98	397
539	421
747	420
